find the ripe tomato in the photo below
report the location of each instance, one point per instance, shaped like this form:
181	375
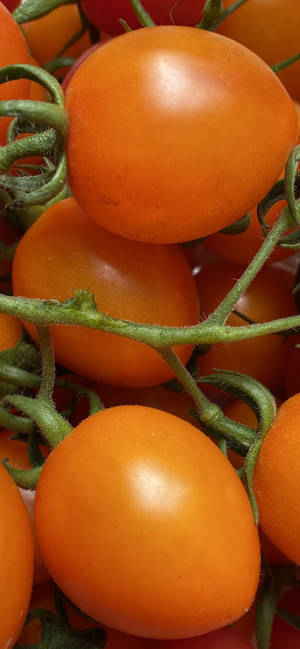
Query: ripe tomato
11	4
139	130
241	248
16	561
147	509
10	331
47	35
221	639
284	636
271	29
268	297
13	50
64	250
163	12
276	480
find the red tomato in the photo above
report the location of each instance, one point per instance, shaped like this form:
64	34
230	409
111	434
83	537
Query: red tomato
163	12
292	365
276	480
267	298
78	63
221	639
147	509
13	50
11	4
284	636
16	560
139	129
64	250
48	35
271	29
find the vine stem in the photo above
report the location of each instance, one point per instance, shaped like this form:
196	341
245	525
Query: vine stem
48	365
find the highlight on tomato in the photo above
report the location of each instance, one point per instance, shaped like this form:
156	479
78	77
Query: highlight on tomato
268	297
163	12
16	563
136	151
153	284
135	473
13	50
276	480
271	29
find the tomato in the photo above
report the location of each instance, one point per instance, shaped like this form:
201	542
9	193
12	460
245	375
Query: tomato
78	63
271	29
13	50
163	12
11	4
10	331
241	248
276	480
145	508
291	365
221	639
16	561
267	298
64	250
284	636
139	130
48	35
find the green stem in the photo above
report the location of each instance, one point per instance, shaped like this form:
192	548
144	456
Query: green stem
16	376
24	478
39	112
48	366
227	12
59	62
53	426
33	73
212	11
277	67
28	146
142	15
33	9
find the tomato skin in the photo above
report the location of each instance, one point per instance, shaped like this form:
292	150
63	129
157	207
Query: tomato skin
16	560
140	171
47	35
150	501
267	298
14	50
221	639
11	4
291	369
284	636
271	29
276	480
163	12
10	331
126	279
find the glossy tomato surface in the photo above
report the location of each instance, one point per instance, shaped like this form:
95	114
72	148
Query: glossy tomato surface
271	29
163	12
162	140
64	250
13	50
268	297
277	480
16	567
10	331
147	508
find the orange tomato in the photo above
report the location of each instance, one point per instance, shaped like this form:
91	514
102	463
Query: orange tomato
277	480
64	250
13	50
161	141
47	35
16	560
268	297
10	331
271	29
144	508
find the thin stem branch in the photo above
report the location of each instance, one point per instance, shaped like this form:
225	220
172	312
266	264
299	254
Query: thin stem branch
48	365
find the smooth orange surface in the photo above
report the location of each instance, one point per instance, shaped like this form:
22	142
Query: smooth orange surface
10	331
277	480
16	569
268	297
175	138
48	35
13	50
64	250
271	29
143	508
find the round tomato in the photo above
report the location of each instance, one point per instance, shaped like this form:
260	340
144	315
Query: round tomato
16	560
10	331
13	50
64	250
268	297
11	4
48	35
163	12
165	126
144	508
276	480
271	29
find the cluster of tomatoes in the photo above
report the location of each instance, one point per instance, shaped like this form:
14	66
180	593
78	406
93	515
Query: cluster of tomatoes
140	525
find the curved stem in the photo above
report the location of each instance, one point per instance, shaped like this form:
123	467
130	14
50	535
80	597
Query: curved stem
33	73
32	9
48	365
142	15
40	112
